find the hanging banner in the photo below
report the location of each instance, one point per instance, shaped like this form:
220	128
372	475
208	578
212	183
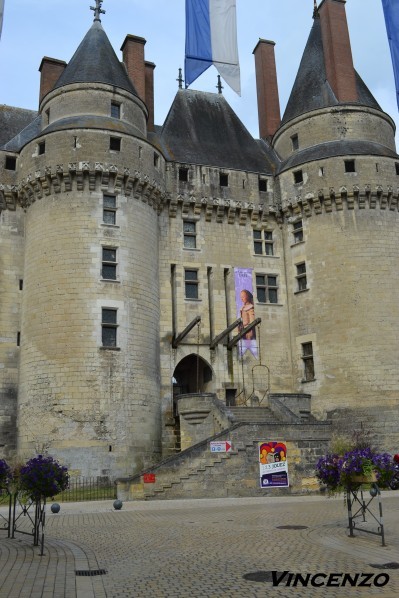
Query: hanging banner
273	465
245	309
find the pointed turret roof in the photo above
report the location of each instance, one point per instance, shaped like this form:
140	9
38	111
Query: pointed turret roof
95	61
311	89
202	128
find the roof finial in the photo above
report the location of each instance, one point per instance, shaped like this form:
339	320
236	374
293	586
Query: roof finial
180	79
315	10
97	10
219	86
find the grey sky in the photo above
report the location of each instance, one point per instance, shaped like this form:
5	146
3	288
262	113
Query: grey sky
36	28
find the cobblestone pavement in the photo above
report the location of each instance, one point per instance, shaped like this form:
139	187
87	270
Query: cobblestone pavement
201	548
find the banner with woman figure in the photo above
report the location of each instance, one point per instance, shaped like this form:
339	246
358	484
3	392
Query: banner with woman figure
245	309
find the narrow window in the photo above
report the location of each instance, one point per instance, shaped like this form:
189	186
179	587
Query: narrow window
156	160
183	175
223	179
298	231
115	110
21	284
298	177
18	339
41	148
350	166
295	142
301	276
191	284
109	263
115	144
266	288
48	116
11	163
262	183
109	209
308	362
397	167
376	167
109	327
189	235
321	171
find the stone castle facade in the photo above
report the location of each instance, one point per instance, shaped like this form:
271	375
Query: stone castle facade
122	243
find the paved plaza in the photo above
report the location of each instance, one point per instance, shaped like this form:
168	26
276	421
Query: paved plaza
204	548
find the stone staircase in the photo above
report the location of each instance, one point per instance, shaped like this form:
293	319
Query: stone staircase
260	415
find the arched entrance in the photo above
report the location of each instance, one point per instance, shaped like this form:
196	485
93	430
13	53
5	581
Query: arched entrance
192	375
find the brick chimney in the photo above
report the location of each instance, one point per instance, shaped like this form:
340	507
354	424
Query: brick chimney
149	93
133	57
50	71
337	50
267	88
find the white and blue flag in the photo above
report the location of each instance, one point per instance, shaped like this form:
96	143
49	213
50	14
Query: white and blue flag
1	14
391	13
211	38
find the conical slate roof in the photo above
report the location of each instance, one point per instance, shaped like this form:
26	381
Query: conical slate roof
95	61
311	89
201	128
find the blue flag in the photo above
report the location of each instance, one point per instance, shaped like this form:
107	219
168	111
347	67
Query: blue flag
211	38
391	13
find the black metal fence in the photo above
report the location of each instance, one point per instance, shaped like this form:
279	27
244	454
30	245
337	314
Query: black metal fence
82	489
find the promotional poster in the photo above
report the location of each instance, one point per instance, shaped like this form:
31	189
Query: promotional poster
273	465
245	309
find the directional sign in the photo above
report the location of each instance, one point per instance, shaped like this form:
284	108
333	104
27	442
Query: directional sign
222	446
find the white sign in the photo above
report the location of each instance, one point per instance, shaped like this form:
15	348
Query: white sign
223	446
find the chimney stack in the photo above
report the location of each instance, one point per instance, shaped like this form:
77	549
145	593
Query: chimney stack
133	57
149	93
337	50
50	71
267	89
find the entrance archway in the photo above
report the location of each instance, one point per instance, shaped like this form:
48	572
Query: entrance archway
192	374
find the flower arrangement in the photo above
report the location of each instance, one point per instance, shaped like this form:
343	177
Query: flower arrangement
43	477
5	474
342	472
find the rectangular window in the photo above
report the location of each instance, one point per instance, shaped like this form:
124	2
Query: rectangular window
191	284
109	263
350	166
397	168
262	183
298	177
223	179
266	288
298	231
115	144
301	276
308	362
189	234
183	175
263	242
11	163
295	142
115	110
109	327
109	209
41	148
156	160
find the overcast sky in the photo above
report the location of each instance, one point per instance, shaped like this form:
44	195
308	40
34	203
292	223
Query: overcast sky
36	28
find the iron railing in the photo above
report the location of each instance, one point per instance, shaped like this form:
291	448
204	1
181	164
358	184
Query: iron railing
83	488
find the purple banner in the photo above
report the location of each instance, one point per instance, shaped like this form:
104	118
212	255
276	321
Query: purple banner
245	308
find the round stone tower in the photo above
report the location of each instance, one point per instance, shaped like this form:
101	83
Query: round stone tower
338	188
91	185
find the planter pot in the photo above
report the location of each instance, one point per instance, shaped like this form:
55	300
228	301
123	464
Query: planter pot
364	479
